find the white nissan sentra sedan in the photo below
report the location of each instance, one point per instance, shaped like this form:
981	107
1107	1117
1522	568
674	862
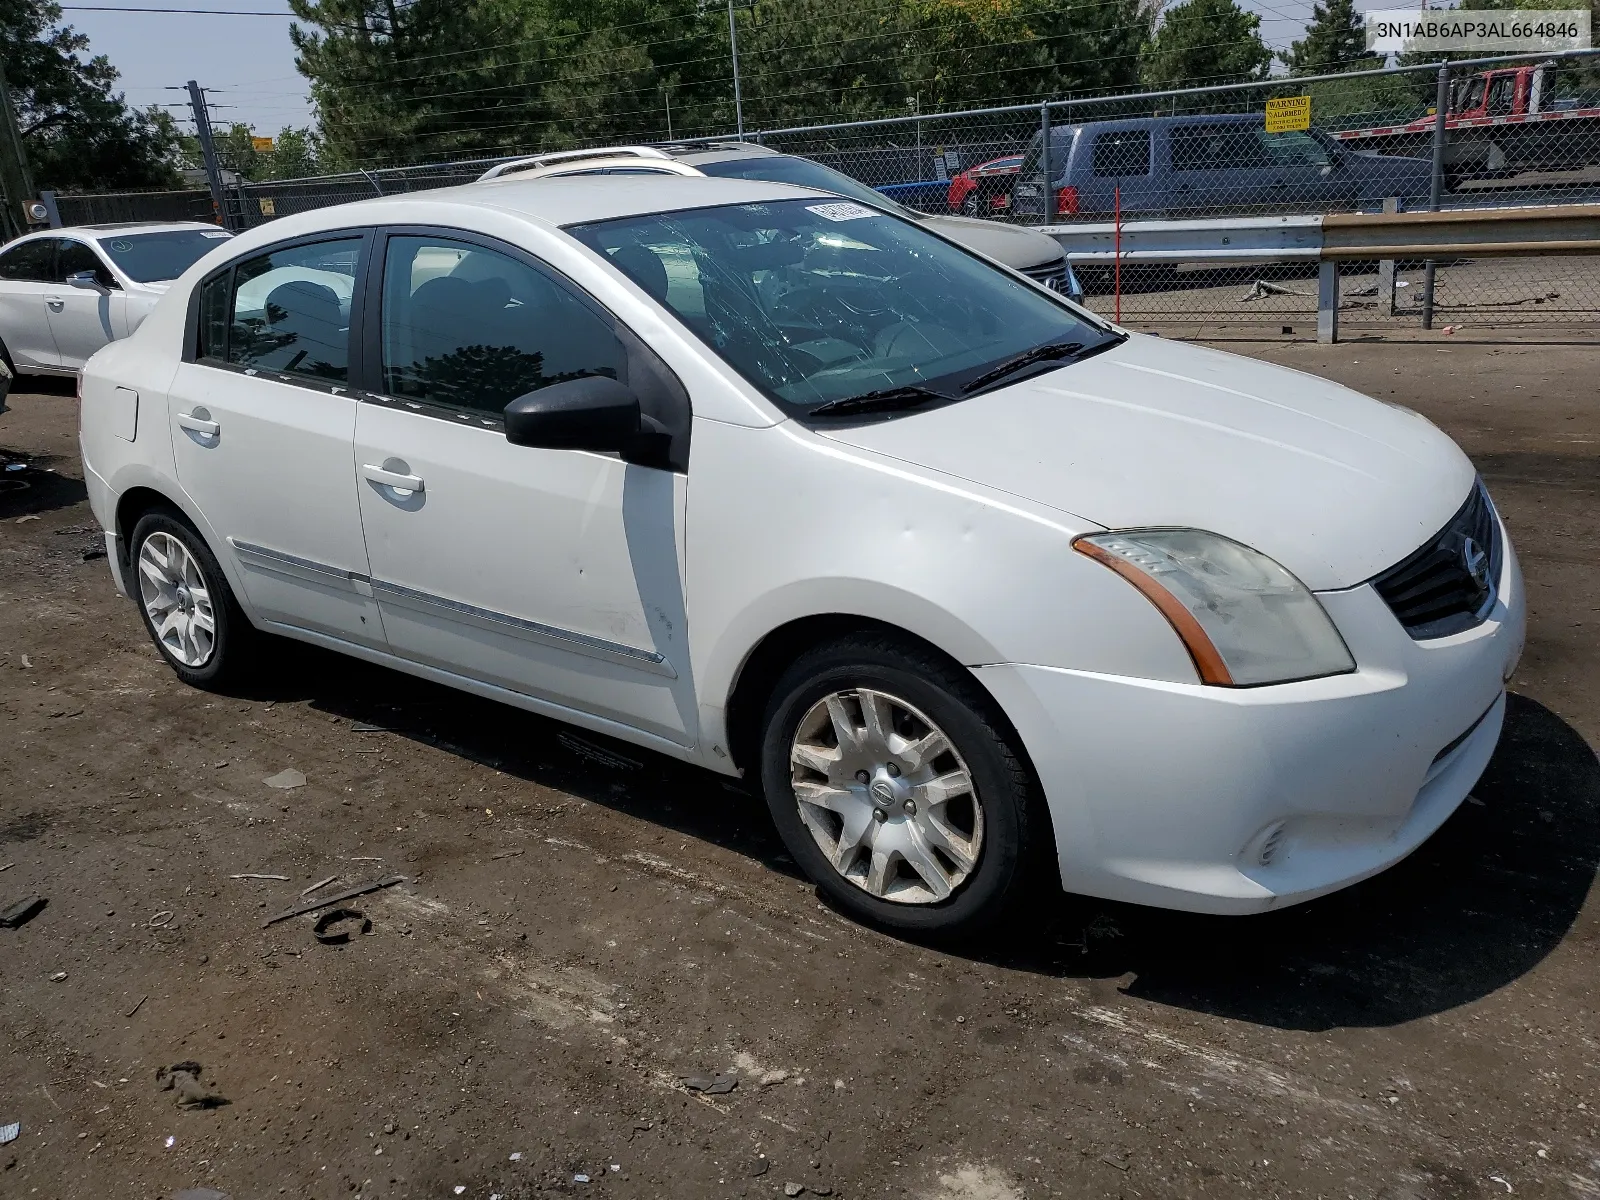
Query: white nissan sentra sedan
784	485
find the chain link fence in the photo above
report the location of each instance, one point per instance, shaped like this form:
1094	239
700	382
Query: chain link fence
1511	132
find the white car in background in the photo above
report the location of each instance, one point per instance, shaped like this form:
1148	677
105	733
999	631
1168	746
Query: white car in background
969	582
64	293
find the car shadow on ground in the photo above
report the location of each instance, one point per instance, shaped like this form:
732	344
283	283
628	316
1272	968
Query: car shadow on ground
33	483
1480	904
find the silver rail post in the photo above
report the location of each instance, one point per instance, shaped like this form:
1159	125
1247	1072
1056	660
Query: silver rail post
1328	301
1441	106
1046	198
1391	204
738	98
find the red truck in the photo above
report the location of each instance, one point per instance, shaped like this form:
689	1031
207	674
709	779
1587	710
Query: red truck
1500	123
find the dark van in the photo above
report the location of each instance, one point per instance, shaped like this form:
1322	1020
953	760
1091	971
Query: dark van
1219	165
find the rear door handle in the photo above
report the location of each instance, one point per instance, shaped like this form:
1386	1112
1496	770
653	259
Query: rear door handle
55	304
199	425
403	483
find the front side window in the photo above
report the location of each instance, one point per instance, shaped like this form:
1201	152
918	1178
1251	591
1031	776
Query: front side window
1297	148
471	328
291	310
1125	152
75	257
31	262
815	301
156	257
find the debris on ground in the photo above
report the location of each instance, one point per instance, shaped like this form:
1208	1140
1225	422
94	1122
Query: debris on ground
325	932
200	1194
286	779
23	911
369	729
10	1133
58	977
29	517
184	1079
136	1007
257	875
715	1083
580	1179
1263	289
336	898
161	919
597	754
7	867
793	1189
27	662
321	883
759	1166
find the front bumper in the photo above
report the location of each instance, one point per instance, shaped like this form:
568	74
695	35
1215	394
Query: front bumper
1173	794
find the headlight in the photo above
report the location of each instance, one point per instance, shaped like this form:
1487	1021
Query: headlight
1243	618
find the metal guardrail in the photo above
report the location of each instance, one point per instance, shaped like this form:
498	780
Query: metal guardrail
1335	239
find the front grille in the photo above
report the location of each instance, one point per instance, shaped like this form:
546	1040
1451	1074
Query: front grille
1052	275
1449	584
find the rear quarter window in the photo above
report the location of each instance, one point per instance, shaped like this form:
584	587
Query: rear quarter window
1121	152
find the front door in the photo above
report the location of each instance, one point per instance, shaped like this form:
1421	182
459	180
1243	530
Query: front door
27	275
82	319
552	573
263	432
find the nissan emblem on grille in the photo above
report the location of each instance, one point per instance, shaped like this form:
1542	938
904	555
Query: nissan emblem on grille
1476	560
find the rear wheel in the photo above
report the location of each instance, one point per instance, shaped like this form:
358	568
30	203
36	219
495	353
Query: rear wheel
896	788
188	608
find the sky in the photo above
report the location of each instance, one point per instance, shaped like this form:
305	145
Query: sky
246	63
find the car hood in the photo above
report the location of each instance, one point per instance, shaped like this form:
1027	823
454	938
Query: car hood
1017	248
1332	484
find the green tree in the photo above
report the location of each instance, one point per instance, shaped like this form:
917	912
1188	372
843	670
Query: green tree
77	132
1202	42
296	153
1335	41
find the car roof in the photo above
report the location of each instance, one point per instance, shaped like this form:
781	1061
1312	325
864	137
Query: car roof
576	199
1184	119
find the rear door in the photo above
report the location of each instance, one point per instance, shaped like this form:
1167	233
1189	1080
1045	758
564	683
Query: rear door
27	274
263	435
1219	168
82	319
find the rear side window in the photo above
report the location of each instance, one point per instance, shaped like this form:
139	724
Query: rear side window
1125	152
1229	146
31	262
214	318
291	310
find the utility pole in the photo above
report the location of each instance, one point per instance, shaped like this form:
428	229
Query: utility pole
15	178
666	96
738	99
208	148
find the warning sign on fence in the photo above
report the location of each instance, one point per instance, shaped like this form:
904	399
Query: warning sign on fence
1288	114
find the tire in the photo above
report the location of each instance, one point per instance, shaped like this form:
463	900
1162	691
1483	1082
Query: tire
1001	819
201	658
969	204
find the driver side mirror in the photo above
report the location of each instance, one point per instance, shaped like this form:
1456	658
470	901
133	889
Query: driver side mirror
88	279
595	412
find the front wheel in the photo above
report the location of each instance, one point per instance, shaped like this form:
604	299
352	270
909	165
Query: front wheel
896	787
188	608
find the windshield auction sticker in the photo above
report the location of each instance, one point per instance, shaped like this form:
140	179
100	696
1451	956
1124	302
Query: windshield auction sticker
1478	31
845	210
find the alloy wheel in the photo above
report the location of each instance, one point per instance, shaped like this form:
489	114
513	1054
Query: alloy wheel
176	600
885	795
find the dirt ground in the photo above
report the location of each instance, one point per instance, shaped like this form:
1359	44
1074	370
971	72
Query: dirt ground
586	922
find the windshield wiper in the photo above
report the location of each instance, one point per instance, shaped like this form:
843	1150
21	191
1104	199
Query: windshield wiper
1049	352
894	399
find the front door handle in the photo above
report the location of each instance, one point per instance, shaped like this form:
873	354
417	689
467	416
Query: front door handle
394	479
199	425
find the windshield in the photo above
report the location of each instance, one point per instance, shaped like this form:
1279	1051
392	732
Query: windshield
815	301
786	168
153	257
